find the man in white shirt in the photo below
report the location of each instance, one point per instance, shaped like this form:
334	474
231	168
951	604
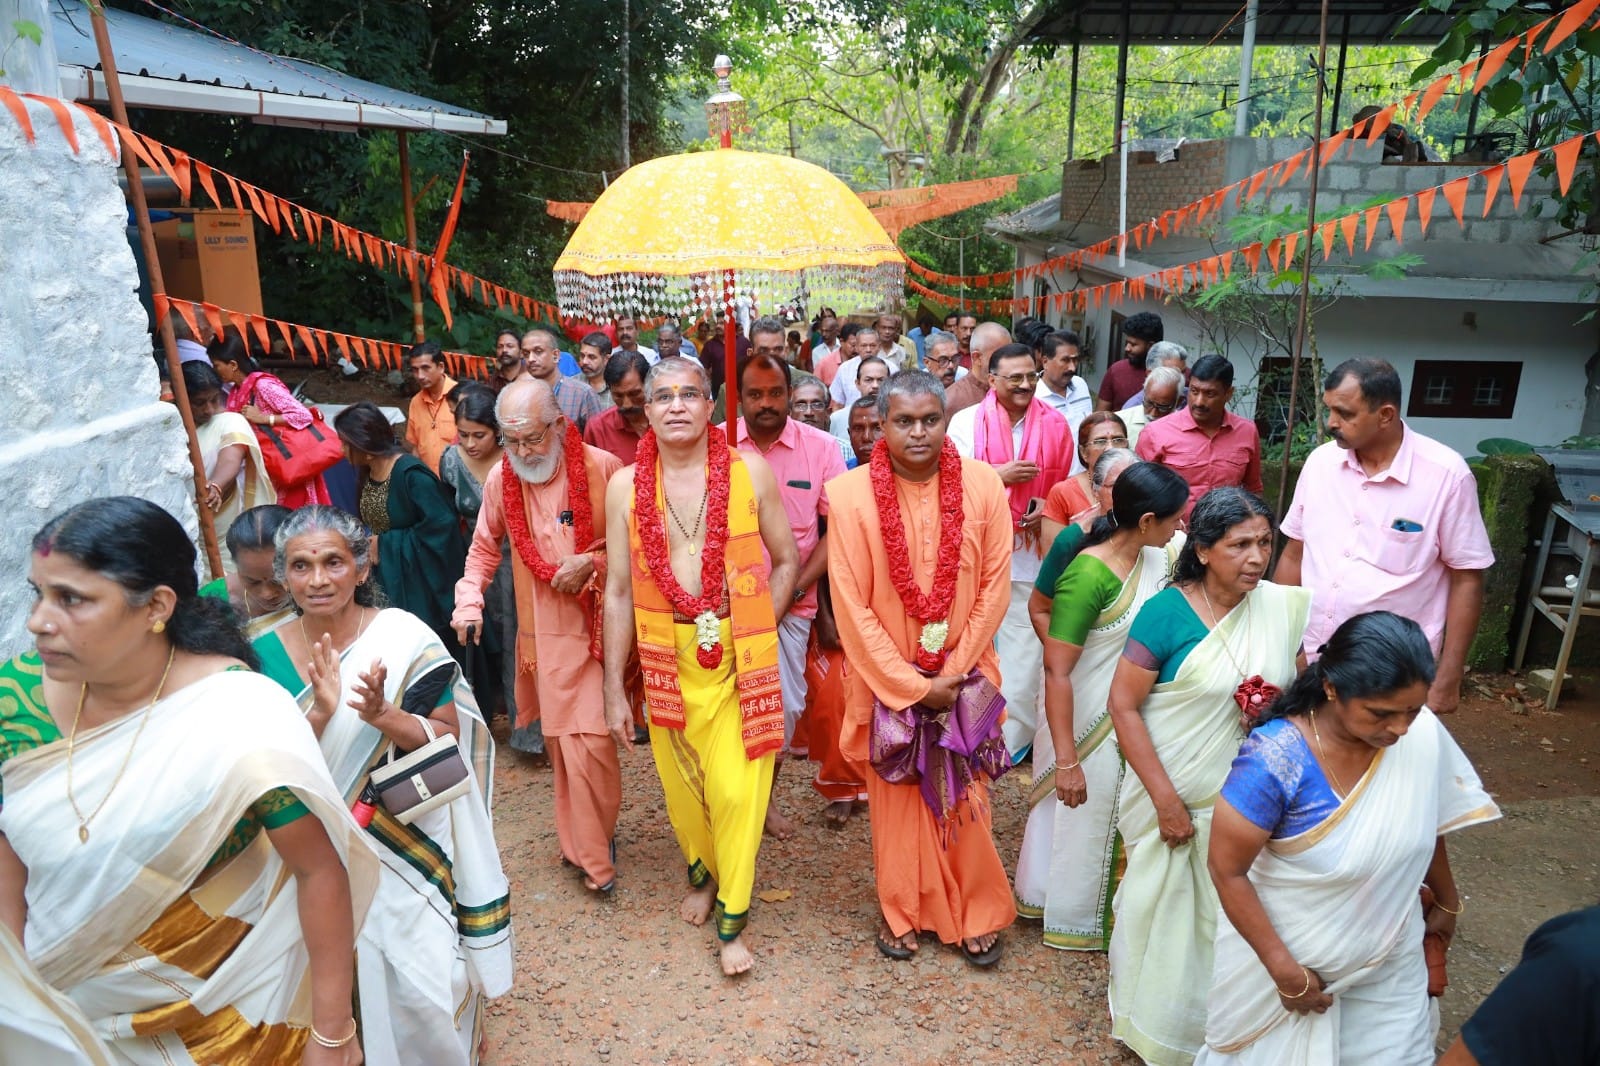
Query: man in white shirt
843	390
828	326
896	349
628	341
871	373
1059	384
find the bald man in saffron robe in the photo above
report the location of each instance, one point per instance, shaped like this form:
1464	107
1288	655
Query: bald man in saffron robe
560	679
935	875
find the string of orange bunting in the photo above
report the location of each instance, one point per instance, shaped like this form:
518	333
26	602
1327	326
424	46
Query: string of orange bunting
275	211
318	344
1472	77
1279	253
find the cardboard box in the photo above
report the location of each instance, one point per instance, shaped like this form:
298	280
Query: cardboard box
211	259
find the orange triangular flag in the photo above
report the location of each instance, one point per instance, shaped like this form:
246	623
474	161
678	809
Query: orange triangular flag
305	339
19	111
1430	96
286	210
1290	240
1517	170
203	172
1252	256
1380	122
103	128
1372	224
1491	179
162	306
1397	217
283	328
1327	231
259	325
241	324
182	175
213	315
1348	224
1530	37
63	119
1573	17
1493	62
1226	259
185	311
1425	207
1566	154
1330	146
1455	194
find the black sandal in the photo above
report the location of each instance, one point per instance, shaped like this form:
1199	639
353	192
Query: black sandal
986	958
893	949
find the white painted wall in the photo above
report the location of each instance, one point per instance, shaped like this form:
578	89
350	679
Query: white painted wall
83	414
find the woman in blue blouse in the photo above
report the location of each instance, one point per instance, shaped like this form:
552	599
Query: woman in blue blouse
1330	822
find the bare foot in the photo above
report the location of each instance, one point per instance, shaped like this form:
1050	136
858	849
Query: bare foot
887	940
778	825
979	944
736	958
698	904
599	890
837	814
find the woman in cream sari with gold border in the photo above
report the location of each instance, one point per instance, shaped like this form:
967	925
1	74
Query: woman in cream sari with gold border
176	860
437	942
1194	645
1320	950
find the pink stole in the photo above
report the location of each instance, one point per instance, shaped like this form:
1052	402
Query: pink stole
1046	442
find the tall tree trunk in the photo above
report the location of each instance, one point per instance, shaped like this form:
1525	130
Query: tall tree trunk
969	111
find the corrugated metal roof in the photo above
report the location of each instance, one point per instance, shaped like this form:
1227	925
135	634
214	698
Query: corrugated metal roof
158	50
1202	21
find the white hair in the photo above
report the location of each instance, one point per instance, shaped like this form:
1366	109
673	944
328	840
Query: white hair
1162	375
1165	353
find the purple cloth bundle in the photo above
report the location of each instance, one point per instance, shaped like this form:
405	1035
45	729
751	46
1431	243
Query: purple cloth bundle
942	751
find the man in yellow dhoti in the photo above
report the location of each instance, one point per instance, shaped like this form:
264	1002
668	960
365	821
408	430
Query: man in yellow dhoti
548	496
697	594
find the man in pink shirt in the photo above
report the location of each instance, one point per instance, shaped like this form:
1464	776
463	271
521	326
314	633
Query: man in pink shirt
1205	442
1385	518
803	459
619	429
559	680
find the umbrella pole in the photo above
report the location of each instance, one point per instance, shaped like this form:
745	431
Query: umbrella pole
730	361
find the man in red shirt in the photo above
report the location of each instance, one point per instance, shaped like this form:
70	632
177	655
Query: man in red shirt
1125	377
617	429
1205	442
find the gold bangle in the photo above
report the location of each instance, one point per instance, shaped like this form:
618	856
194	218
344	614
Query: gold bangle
1302	993
325	1042
1071	766
1447	910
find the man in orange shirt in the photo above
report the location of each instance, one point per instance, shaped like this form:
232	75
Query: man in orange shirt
918	513
430	424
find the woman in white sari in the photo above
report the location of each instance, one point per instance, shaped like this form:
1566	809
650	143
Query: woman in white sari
437	941
1219	640
1071	856
1331	820
236	475
175	856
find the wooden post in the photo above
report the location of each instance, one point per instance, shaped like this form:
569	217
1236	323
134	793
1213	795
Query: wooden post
418	331
147	240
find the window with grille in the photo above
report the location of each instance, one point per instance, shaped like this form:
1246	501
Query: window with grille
1460	389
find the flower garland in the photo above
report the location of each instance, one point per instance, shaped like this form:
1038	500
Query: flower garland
657	553
577	502
933	607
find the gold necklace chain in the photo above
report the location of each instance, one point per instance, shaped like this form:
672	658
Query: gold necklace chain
1215	622
699	520
362	628
72	741
1325	763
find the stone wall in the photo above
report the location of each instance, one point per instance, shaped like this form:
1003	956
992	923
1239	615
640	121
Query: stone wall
75	367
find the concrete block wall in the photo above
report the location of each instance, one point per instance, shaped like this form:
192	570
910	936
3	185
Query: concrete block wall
1354	176
84	417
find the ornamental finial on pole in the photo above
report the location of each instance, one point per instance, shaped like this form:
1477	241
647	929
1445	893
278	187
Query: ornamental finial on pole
725	110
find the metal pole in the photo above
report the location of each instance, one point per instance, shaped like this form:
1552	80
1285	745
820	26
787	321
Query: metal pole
1472	112
147	240
627	153
1247	58
1303	315
1117	123
1338	78
1122	200
418	331
730	357
1072	102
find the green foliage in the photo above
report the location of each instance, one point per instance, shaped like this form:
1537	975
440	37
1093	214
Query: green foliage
22	30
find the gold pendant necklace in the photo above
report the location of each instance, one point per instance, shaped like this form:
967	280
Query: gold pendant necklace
1325	763
72	740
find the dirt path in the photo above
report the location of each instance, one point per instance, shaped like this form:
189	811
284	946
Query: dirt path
624	980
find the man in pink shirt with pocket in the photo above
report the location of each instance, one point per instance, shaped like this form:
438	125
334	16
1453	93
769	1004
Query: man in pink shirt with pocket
803	459
1204	441
1386	519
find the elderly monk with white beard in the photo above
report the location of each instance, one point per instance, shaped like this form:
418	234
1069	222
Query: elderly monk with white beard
548	496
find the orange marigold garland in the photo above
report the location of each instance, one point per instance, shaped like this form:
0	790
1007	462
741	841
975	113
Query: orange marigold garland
932	608
657	555
577	503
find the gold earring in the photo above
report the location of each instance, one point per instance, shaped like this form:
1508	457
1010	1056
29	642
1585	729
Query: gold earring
159	627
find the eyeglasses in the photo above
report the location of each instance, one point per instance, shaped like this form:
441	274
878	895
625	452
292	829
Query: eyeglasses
684	393
1020	381
808	405
1108	442
1160	408
522	444
938	360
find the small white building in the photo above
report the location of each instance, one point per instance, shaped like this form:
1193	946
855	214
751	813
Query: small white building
1486	332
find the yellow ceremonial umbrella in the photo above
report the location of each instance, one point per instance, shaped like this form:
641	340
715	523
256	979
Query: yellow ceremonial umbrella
686	234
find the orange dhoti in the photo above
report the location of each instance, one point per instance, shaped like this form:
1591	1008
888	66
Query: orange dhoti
827	677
